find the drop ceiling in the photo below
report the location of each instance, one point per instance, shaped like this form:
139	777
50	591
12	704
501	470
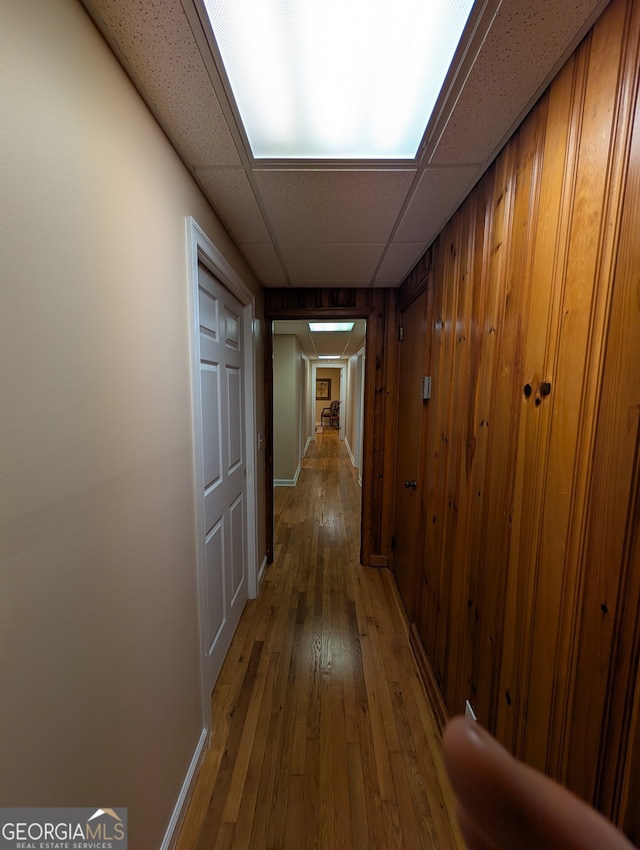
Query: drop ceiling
314	345
341	223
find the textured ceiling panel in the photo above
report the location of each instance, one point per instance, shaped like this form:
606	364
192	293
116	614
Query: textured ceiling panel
231	194
334	343
154	40
526	40
337	264
399	258
333	205
434	201
345	343
351	284
263	259
331	224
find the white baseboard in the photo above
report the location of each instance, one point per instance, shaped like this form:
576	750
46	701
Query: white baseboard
287	482
180	808
307	444
263	567
349	452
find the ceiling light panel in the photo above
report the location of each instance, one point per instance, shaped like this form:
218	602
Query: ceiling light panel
340	79
318	327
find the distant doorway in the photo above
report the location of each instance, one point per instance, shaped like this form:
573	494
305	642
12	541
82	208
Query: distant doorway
331	379
295	418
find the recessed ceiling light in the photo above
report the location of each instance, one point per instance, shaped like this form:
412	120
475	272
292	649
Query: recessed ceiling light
330	326
337	79
328	357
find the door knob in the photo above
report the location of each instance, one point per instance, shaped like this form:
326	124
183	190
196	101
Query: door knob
410	485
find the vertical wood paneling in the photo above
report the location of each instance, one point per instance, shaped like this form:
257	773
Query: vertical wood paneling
553	200
462	438
505	412
410	414
605	663
447	449
528	601
620	772
431	477
481	335
573	394
487	562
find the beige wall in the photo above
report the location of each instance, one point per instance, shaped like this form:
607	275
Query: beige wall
288	378
98	609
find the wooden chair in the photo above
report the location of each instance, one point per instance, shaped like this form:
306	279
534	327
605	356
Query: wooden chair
332	413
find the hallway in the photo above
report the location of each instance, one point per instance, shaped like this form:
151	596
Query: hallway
322	736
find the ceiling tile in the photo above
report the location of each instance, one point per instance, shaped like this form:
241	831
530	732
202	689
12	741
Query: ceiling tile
336	264
331	343
264	261
525	42
230	193
155	41
330	222
333	205
399	260
434	201
315	284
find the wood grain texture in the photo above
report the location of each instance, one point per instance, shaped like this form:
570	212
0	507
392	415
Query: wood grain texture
528	597
322	733
410	417
607	639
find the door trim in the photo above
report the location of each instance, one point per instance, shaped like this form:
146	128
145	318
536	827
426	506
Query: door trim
202	250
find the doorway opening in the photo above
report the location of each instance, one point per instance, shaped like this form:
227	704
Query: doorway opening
316	383
379	307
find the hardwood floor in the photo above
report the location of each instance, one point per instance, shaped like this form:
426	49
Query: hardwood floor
322	735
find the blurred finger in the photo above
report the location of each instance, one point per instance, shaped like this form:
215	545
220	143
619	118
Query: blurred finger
509	805
474	839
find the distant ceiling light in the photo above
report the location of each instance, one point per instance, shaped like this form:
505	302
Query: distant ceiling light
330	326
328	357
340	79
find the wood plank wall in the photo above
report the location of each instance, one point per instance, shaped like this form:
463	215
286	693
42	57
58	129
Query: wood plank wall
379	308
527	595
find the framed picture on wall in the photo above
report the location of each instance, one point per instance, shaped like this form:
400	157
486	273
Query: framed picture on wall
323	389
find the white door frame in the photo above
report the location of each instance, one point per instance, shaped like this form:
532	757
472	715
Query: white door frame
202	250
360	361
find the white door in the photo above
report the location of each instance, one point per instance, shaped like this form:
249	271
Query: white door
224	463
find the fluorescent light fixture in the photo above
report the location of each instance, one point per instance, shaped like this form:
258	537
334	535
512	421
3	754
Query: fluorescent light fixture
336	79
328	357
330	326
